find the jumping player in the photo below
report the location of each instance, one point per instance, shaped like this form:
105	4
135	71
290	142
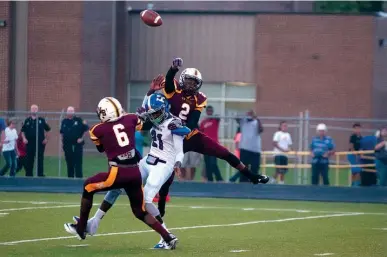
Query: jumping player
115	136
187	103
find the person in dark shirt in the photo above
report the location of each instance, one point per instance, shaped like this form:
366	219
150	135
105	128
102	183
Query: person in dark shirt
354	145
355	138
72	130
35	137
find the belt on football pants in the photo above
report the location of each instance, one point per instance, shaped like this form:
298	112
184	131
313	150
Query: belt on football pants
122	165
156	159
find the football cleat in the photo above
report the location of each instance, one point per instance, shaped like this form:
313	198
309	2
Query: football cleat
160	245
263	179
171	245
72	229
91	227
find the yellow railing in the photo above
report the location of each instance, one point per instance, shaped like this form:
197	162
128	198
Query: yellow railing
337	166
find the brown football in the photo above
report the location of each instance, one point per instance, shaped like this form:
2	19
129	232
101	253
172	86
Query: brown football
151	18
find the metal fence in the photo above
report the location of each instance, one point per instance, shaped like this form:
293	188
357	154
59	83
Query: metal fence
301	127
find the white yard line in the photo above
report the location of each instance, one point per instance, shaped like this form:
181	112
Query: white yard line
323	254
74	204
187	228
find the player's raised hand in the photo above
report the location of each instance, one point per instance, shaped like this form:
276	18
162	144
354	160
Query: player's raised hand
141	113
158	82
177	63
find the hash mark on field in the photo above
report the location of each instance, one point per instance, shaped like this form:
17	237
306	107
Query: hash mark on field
192	227
323	254
3	214
238	251
380	228
77	245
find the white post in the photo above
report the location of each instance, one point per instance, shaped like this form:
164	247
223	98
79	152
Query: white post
60	146
300	146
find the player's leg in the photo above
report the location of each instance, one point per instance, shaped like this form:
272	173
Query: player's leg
200	143
139	203
109	200
163	193
99	182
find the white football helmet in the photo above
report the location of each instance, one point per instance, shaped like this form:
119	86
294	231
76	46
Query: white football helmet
109	109
190	87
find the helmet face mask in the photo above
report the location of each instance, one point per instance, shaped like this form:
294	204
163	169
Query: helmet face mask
157	109
190	81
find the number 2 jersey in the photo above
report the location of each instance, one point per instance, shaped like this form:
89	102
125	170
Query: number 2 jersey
117	139
181	105
167	140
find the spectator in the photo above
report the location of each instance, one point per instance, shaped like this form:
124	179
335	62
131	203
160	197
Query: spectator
282	142
8	139
250	144
355	138
72	130
381	157
322	148
35	135
237	152
210	127
354	145
190	162
22	153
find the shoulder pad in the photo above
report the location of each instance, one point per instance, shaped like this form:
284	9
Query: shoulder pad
174	124
201	100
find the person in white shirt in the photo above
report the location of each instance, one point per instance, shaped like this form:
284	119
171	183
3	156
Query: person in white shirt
8	140
282	142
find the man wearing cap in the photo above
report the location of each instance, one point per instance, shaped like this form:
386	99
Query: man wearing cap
322	147
72	130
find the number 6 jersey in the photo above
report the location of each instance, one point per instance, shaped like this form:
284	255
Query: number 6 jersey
117	138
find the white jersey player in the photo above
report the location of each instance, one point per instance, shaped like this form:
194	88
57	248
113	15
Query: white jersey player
166	154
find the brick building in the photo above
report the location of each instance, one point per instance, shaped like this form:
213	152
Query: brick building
57	54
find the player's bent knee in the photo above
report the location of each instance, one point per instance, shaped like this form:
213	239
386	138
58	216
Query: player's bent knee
139	213
87	195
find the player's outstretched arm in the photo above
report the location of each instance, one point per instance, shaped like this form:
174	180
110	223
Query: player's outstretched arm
169	78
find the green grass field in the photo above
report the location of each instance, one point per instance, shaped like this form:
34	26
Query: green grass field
32	225
97	163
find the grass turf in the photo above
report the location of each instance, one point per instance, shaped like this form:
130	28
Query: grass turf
205	227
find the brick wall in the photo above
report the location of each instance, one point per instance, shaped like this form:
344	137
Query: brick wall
54	54
4	54
320	63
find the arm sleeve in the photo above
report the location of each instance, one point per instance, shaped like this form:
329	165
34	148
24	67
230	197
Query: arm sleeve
178	144
181	131
290	140
193	119
275	137
169	80
100	148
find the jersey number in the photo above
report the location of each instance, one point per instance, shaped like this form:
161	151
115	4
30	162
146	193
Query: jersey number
121	136
184	111
156	140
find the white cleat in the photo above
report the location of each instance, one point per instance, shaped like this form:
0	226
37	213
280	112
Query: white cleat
172	244
72	229
160	245
91	227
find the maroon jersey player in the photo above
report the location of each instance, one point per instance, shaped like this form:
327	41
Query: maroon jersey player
115	136
187	103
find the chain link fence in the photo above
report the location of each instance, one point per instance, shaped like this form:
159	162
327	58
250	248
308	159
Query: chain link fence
302	128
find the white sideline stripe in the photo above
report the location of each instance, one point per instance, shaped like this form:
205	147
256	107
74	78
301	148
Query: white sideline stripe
67	204
323	254
186	228
48	207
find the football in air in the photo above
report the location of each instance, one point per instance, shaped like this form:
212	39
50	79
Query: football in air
151	18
